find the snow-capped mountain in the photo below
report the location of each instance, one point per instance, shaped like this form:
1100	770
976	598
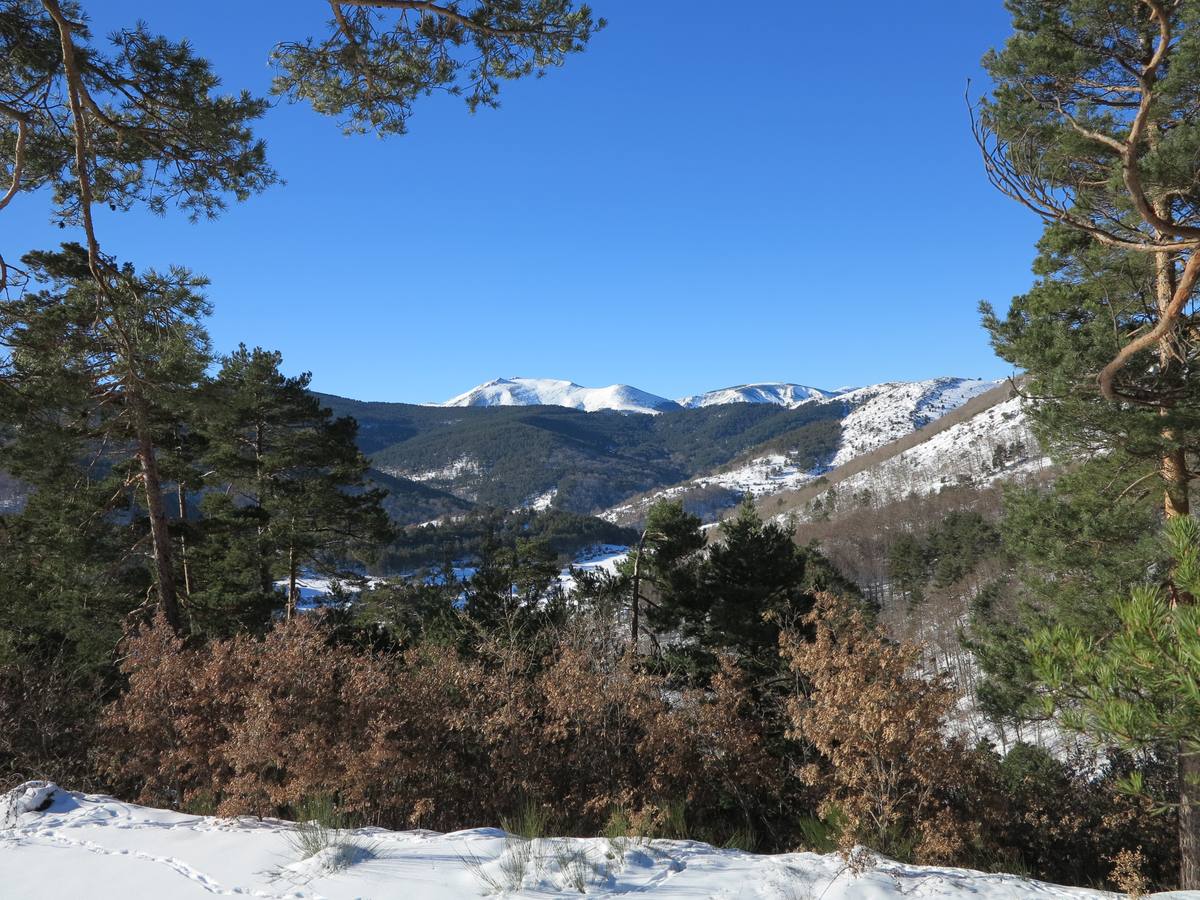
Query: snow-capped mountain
776	392
553	392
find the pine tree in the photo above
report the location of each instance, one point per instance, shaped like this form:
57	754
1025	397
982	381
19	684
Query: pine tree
1089	125
749	584
106	374
663	562
293	492
1136	684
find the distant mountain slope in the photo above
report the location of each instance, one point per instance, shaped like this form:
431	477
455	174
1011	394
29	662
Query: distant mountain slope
553	392
510	456
882	413
447	459
986	440
870	418
778	393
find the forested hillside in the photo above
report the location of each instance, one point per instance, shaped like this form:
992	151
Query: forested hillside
507	456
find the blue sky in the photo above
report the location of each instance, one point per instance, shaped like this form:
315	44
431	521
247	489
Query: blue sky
703	198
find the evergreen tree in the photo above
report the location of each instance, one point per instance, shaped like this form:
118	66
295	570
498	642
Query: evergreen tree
737	596
105	374
1090	126
293	484
663	564
1136	684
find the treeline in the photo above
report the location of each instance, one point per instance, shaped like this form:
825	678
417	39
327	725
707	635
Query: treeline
753	707
464	541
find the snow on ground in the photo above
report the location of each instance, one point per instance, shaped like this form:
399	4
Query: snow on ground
540	502
554	392
316	590
996	444
464	465
81	845
765	475
874	416
883	413
604	558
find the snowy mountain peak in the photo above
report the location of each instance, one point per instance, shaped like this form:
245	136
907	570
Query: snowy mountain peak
553	392
775	392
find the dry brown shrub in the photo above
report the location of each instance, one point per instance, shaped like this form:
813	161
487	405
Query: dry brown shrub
437	738
885	762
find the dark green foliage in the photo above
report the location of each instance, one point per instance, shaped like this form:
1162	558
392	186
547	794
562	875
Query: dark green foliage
293	491
1069	325
462	540
82	383
1136	685
1072	547
513	580
944	555
163	136
1091	127
751	583
374	63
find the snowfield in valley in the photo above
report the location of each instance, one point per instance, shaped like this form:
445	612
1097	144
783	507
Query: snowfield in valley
56	844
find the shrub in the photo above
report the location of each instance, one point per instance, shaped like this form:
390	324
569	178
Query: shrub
877	724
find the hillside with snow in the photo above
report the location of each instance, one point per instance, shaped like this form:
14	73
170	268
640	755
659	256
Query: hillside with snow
997	444
535	443
883	413
56	844
873	417
778	393
554	392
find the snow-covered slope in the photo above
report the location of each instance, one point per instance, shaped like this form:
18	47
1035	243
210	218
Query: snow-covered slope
995	445
778	393
883	413
552	392
56	844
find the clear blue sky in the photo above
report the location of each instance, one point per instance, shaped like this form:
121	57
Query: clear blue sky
704	197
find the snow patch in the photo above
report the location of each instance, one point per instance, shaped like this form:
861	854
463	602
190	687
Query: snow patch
100	848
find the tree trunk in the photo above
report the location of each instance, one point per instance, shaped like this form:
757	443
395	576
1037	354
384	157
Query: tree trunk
1189	819
1173	466
635	602
291	601
264	563
183	560
160	536
1176	502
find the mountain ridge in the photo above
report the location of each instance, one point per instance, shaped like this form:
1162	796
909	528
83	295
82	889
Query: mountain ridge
524	391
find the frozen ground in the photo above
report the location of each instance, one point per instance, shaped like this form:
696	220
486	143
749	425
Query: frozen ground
55	844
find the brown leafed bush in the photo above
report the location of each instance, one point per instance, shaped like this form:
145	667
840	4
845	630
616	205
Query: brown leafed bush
888	771
435	738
